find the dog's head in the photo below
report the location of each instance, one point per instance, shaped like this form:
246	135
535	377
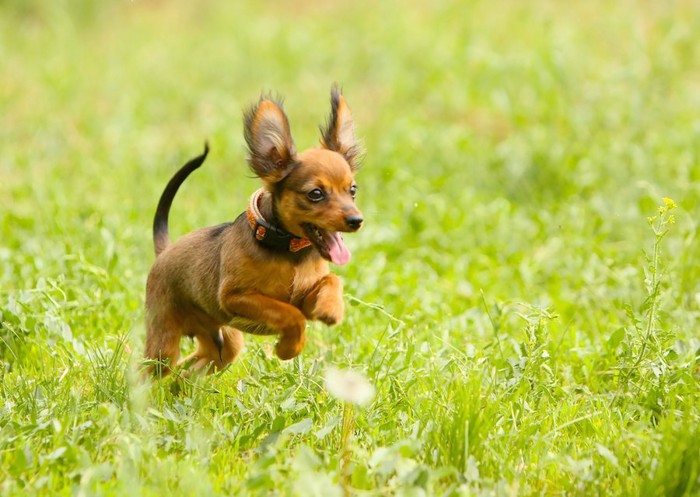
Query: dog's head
313	192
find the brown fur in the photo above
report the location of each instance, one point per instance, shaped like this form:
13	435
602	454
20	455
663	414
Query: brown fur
216	282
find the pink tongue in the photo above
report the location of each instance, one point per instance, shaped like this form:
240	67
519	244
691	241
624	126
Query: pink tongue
338	251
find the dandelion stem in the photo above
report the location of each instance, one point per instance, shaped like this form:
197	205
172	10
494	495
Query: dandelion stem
348	427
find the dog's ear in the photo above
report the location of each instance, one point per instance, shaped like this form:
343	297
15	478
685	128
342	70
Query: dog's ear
339	134
271	151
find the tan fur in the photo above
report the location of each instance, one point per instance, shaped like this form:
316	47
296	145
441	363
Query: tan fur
216	282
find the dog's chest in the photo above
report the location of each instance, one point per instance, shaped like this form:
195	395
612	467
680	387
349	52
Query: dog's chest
291	282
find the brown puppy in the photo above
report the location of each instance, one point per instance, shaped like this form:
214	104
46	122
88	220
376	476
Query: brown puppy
267	272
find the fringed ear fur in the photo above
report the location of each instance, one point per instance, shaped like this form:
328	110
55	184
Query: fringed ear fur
271	151
339	134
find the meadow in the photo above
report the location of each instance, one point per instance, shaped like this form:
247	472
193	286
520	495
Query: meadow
524	297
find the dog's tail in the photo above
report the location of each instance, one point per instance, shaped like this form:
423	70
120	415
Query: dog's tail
161	238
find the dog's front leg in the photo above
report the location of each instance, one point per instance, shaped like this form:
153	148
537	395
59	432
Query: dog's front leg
271	313
325	301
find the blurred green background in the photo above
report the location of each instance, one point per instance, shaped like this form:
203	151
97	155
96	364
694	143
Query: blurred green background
503	139
514	153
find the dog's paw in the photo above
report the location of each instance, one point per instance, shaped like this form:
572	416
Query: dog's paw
329	308
292	339
289	348
330	316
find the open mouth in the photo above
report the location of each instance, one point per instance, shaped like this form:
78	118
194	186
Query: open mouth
330	244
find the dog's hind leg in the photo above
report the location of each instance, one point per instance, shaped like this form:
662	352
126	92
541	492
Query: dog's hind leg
163	335
215	350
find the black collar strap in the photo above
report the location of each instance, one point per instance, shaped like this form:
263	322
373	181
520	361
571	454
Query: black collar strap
269	234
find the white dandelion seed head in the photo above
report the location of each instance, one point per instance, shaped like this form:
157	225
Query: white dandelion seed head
349	386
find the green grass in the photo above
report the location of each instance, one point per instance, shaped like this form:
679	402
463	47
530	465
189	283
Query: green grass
527	329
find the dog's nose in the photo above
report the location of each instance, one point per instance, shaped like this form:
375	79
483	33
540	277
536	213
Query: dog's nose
354	221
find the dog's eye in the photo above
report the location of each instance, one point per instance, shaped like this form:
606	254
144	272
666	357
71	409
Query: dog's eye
353	191
316	195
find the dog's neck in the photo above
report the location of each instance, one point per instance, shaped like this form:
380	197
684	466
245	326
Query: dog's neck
266	206
266	226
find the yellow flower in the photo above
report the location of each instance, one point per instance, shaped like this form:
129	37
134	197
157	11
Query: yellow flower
669	203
